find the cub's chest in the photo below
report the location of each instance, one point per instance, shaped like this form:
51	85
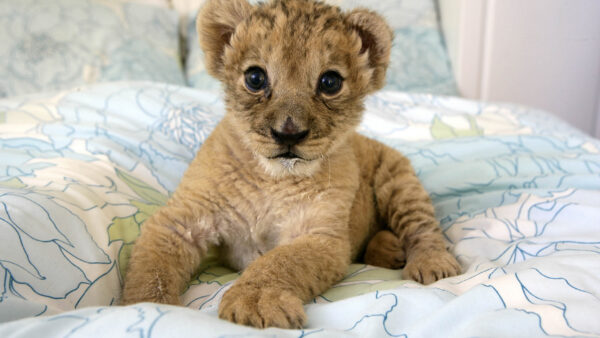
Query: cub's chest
258	203
258	214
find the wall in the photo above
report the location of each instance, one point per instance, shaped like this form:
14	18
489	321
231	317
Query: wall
542	53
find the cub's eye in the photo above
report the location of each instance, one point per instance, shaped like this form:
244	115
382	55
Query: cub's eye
330	83
256	79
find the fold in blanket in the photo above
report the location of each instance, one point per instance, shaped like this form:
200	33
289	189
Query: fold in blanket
517	193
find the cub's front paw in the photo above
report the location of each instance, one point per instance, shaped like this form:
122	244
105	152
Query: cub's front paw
262	307
149	288
428	267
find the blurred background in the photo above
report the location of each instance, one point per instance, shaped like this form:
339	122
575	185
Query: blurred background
542	53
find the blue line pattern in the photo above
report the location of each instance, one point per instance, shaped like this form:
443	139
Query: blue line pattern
517	192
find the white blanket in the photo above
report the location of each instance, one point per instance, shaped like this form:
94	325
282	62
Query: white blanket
517	193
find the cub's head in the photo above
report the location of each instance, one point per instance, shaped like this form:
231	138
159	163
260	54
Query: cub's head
295	74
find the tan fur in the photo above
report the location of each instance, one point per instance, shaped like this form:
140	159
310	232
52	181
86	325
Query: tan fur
292	225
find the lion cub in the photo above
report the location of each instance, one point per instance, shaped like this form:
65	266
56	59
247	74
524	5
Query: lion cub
284	187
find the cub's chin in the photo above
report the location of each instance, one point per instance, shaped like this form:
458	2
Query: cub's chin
284	166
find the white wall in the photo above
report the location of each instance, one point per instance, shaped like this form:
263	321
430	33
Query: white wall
463	25
542	53
597	134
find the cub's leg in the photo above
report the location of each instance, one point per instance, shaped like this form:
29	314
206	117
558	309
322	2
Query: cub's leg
385	250
166	255
272	290
405	205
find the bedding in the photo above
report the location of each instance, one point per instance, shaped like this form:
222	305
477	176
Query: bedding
419	62
516	190
59	44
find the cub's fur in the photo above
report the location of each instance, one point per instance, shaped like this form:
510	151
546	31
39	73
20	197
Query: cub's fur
284	187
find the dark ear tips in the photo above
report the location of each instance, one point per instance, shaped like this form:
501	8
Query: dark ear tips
376	39
368	40
216	23
226	36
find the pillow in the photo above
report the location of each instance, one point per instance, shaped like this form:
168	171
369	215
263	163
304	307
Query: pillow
50	45
419	61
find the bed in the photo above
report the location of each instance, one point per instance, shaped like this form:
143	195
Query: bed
89	149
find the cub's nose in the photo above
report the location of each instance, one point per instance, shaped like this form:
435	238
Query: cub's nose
288	139
289	134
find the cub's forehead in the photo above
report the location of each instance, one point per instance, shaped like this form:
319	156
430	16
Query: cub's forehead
299	13
298	27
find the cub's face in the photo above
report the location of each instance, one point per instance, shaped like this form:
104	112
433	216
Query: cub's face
295	75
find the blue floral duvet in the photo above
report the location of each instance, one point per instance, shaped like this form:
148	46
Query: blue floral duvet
517	193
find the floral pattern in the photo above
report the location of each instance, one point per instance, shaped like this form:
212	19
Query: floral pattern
517	192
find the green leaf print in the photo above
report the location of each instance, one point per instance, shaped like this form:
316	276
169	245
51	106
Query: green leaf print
14	183
343	291
215	274
142	189
361	279
441	130
124	254
374	274
127	229
144	210
210	270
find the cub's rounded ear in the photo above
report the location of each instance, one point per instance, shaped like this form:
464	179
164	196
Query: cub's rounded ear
376	37
216	23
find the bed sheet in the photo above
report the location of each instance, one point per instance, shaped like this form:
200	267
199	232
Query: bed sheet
516	190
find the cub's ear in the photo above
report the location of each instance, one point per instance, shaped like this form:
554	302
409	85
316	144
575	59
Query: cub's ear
216	23
376	37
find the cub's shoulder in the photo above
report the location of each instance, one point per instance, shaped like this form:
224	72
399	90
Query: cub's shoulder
366	148
373	155
367	152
